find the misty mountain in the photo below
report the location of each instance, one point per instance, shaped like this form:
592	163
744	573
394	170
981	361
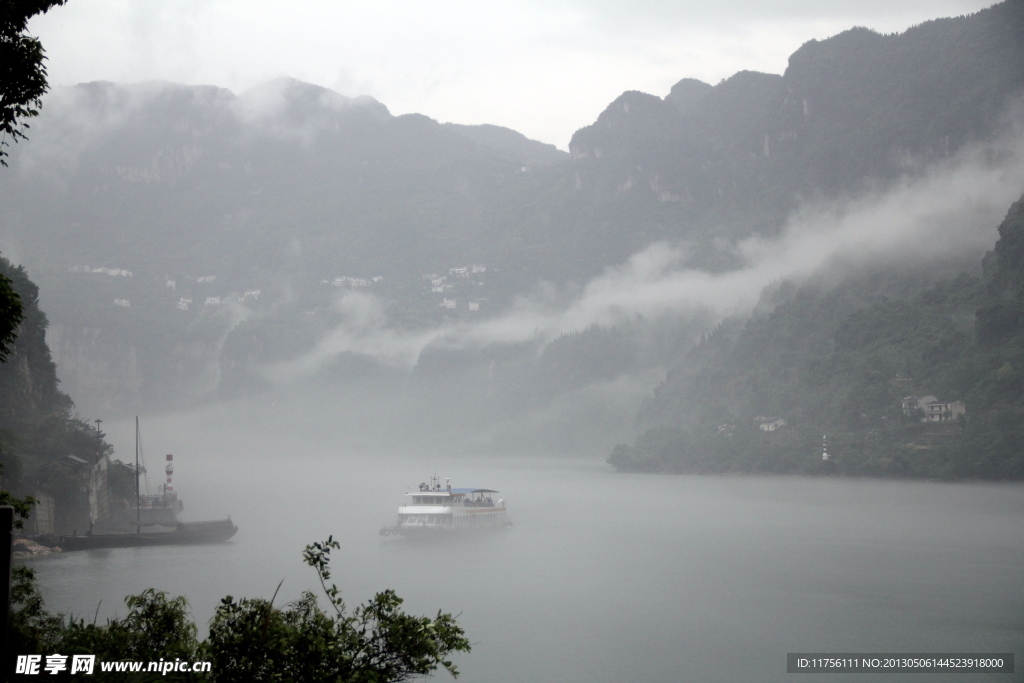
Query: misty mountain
176	178
851	112
186	237
159	177
842	361
514	144
271	192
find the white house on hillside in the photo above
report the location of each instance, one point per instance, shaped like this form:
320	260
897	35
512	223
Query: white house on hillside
770	424
934	410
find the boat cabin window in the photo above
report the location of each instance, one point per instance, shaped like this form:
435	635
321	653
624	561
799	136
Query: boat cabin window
425	520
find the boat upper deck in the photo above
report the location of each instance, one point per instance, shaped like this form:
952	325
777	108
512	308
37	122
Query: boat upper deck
434	495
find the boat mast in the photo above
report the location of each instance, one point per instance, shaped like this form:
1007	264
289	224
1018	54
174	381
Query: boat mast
138	502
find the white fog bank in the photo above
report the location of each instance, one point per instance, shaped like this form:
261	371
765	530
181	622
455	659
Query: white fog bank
951	209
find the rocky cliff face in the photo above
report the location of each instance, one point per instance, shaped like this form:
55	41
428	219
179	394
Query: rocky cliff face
119	376
28	379
98	367
40	442
857	108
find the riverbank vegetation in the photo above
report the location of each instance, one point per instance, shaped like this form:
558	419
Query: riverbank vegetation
250	639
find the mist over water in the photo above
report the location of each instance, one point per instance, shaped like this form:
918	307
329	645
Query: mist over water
603	577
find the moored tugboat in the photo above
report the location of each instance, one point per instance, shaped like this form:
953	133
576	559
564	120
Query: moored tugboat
144	521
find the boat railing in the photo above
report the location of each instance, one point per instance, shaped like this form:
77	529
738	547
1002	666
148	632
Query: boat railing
147	502
485	503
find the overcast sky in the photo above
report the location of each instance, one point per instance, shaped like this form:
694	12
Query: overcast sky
544	68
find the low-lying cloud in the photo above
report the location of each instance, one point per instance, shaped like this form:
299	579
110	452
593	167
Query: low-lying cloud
952	209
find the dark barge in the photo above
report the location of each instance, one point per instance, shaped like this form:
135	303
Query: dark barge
183	533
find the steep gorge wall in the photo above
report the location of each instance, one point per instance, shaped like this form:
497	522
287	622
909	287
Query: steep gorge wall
113	376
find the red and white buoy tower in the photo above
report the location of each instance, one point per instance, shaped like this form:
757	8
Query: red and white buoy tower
170	472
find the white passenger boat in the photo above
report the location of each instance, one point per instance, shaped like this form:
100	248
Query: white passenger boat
435	508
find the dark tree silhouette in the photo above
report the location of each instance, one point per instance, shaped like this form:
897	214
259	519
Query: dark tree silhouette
22	72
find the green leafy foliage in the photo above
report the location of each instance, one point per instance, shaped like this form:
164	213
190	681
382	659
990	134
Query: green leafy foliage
22	507
157	627
37	430
11	316
32	627
250	639
22	72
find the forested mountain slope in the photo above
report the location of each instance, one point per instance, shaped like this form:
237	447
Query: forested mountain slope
37	428
851	112
839	361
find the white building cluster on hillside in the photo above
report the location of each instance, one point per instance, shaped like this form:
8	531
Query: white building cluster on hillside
440	284
354	282
184	303
113	272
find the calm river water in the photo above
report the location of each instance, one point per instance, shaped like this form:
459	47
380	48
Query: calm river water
604	577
